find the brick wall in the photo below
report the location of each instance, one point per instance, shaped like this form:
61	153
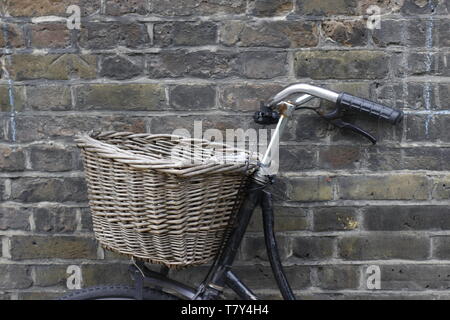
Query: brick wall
155	65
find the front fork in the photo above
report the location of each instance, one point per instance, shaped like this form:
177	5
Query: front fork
222	268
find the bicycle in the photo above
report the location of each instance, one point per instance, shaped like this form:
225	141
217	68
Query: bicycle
278	110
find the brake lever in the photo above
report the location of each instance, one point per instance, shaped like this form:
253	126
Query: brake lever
334	118
345	125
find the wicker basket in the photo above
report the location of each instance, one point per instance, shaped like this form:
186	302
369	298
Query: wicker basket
164	198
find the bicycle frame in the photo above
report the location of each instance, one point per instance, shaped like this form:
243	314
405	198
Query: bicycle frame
221	274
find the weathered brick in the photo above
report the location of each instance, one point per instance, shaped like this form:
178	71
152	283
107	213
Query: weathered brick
384	159
347	33
49	97
443	69
121	68
441	248
246	97
51	158
406	218
253	248
421	96
413	7
44	247
57	220
335	277
282	34
131	97
12	158
220	64
390	33
36	8
417	33
2	190
340	157
384	246
326	7
311	189
295	158
442	34
118	7
12	36
53	67
192	97
38	295
15	218
417	127
32	128
50	275
50	35
391	187
444	96
201	64
15	277
262	8
106	35
101	274
48	189
86	219
263	64
419	63
12	95
313	248
335	219
184	33
436	128
286	219
197	7
441	188
261	277
422	159
415	277
342	64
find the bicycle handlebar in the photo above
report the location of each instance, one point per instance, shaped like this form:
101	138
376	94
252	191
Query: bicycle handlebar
343	101
349	102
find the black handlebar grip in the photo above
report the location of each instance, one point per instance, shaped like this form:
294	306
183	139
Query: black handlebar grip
349	102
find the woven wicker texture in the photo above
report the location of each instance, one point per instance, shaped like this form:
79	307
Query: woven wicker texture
164	198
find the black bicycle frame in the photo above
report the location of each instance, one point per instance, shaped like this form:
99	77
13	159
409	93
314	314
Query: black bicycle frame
221	274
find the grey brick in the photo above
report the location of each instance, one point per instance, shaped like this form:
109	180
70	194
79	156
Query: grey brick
338	277
406	218
184	33
12	158
48	189
193	97
121	68
57	220
51	158
44	247
415	277
342	64
384	246
15	277
269	7
335	218
15	218
313	248
49	98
